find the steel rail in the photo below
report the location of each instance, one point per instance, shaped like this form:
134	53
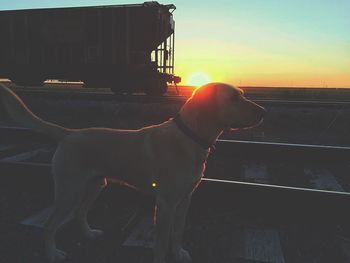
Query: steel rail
283	144
208	180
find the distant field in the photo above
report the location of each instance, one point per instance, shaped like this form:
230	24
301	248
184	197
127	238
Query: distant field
325	124
285	93
288	93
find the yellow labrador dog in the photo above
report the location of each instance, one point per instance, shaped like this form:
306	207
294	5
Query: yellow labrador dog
168	158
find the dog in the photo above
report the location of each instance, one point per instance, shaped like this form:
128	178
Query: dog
168	159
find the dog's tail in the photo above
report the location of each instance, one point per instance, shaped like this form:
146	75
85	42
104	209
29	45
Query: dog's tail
23	116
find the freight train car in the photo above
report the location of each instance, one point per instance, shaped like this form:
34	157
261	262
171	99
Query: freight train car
127	48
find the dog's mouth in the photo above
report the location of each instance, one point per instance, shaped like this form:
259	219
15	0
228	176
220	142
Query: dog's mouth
256	124
246	126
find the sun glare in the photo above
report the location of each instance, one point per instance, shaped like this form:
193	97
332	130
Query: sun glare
198	78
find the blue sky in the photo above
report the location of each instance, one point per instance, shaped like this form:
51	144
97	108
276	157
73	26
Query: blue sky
255	42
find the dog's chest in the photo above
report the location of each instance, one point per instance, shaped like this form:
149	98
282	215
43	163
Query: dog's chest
191	178
200	160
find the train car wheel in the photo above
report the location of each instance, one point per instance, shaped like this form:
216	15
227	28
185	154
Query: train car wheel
156	87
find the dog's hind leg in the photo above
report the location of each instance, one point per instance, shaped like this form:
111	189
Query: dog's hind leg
92	191
180	254
65	205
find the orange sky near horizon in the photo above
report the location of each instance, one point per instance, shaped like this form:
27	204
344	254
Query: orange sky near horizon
278	44
290	66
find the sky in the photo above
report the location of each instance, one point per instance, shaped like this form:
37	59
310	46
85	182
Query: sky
295	43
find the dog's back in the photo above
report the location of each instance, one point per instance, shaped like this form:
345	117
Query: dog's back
24	117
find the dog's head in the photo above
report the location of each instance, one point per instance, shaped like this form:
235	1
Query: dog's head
225	106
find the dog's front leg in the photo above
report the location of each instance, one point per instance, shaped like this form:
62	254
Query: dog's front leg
164	217
180	254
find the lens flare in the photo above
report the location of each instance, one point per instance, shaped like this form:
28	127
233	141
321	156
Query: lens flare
198	78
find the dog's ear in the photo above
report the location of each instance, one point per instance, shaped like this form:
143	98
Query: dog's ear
204	102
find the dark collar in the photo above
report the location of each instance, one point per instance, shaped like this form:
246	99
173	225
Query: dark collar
186	130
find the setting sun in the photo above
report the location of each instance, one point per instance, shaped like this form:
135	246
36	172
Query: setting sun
198	78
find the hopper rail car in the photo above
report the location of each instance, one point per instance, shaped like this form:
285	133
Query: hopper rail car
127	48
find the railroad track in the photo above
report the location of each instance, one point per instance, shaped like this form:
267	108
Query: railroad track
245	218
239	220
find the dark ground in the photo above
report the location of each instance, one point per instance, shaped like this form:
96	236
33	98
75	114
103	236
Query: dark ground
226	223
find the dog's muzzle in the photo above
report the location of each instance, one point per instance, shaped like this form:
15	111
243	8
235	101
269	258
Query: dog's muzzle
259	113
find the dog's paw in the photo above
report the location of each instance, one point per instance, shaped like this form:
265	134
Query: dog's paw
182	256
57	255
94	234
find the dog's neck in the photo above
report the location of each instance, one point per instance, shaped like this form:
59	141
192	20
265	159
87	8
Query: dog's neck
206	132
